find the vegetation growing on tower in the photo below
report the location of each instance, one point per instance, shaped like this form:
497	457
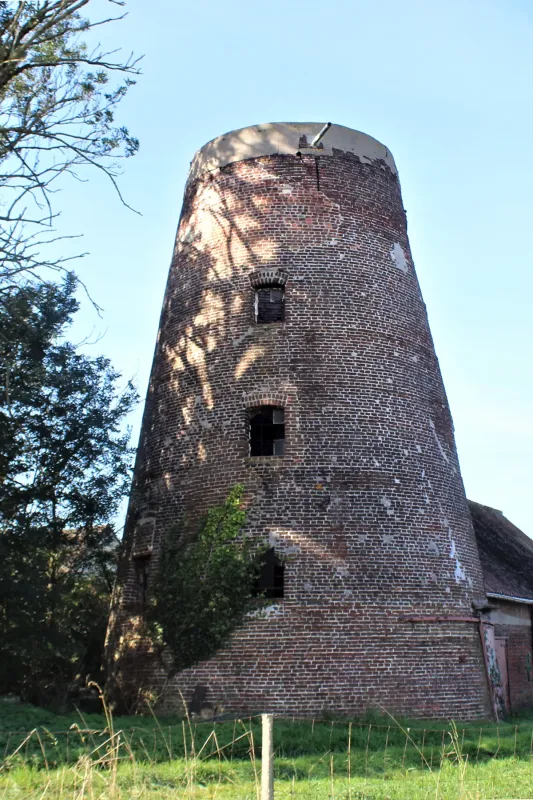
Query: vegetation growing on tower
205	585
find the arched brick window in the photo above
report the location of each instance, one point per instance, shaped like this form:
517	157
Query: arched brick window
269	295
267	431
269	304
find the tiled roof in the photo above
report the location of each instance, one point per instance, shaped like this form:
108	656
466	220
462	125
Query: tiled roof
506	553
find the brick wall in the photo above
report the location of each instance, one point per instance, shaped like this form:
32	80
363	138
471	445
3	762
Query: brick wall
512	621
367	505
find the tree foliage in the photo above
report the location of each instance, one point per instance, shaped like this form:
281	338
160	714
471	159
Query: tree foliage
64	457
58	101
64	469
205	585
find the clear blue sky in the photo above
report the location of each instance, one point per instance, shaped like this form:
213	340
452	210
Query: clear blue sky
446	85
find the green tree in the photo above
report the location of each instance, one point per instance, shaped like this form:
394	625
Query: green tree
64	469
58	99
205	585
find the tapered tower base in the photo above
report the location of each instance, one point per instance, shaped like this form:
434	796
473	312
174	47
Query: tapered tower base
358	488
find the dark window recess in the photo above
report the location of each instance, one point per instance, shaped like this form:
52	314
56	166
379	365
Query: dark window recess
270	304
142	573
270	580
198	698
267	431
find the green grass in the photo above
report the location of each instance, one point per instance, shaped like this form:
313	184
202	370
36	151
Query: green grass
376	757
299	778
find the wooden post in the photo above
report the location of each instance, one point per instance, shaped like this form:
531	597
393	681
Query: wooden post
267	758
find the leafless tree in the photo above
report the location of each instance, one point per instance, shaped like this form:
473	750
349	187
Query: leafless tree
58	99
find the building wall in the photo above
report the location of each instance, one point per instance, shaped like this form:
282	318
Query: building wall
367	506
512	621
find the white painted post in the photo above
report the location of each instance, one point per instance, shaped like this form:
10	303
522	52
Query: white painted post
267	758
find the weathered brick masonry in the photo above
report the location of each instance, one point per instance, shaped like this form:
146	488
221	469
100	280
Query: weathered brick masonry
367	504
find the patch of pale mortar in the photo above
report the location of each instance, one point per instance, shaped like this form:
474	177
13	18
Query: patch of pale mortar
283	138
433	547
460	574
283	543
240	339
439	445
398	257
387	505
342	572
267	612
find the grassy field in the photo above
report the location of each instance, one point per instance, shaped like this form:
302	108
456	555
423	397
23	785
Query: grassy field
44	755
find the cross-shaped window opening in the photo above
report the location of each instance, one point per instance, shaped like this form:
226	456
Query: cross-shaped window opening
267	431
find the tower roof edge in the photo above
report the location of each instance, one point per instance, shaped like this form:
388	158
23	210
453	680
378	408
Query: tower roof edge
287	138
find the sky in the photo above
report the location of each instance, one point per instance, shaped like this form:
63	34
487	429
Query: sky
445	85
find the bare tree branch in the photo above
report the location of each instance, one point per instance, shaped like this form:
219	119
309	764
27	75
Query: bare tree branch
58	101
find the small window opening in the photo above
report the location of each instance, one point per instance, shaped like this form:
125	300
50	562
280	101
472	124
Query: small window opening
269	304
271	577
198	699
142	574
267	431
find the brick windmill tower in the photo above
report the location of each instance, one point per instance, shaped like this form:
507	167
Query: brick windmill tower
294	356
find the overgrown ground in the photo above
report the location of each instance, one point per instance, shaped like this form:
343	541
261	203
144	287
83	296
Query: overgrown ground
46	756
